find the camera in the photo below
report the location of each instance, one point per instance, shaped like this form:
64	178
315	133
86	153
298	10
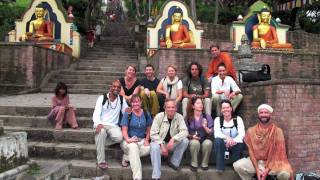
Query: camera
226	155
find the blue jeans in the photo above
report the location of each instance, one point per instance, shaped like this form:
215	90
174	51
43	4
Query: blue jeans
220	148
155	153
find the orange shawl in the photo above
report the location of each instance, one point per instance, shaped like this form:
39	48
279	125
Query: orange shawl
268	144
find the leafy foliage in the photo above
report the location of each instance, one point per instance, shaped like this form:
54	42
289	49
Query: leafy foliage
8	14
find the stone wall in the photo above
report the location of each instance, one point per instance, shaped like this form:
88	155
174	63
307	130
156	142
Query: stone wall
215	31
304	40
283	65
24	65
296	104
293	92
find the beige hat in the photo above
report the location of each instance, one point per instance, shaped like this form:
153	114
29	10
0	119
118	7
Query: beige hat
265	106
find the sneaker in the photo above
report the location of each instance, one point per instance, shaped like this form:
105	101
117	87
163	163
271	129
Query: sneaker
193	169
204	168
124	163
173	167
103	165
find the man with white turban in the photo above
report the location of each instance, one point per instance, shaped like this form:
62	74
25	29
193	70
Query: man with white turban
267	150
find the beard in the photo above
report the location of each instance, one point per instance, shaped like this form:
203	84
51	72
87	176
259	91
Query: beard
115	93
264	120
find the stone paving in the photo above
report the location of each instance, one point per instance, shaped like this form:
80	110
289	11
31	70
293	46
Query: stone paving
44	100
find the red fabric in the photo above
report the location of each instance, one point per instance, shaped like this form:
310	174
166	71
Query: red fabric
222	58
268	144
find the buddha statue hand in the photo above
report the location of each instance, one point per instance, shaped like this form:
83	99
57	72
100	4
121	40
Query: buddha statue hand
169	43
263	43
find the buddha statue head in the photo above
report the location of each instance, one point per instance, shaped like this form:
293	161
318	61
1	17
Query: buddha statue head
264	16
39	11
177	16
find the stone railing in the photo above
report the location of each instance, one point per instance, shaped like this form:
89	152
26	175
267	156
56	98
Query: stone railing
24	65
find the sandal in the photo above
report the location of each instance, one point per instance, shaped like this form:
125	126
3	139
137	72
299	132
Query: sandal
103	165
124	163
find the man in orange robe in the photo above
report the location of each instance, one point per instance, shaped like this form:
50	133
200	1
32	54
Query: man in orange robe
267	150
219	57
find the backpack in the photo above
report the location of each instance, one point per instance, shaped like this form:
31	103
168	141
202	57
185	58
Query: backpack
105	98
235	122
254	76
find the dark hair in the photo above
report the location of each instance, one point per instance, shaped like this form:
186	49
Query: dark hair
149	65
264	10
228	102
190	111
61	85
199	68
40	5
178	10
214	45
221	64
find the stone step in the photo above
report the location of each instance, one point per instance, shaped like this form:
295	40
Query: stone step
95	68
93	82
111	56
86	169
105	64
89	76
109	59
40	111
78	91
83	135
53	170
81	86
81	151
40	121
94	74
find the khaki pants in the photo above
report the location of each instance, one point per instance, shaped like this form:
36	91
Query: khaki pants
150	104
114	132
246	170
132	153
216	98
206	102
206	147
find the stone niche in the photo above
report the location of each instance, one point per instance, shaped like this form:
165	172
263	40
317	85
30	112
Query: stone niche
66	38
13	150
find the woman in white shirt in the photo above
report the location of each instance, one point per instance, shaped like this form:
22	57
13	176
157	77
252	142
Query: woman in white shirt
170	87
229	133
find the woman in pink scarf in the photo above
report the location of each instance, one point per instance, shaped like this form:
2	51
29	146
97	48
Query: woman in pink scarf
62	111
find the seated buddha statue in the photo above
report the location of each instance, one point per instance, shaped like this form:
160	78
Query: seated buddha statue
177	35
39	29
265	35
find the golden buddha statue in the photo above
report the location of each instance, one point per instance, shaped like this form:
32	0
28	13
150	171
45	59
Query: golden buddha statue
265	35
177	35
39	29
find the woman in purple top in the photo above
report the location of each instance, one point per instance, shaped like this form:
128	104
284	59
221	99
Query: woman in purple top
200	126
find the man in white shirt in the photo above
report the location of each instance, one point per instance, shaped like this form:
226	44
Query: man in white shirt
224	87
105	118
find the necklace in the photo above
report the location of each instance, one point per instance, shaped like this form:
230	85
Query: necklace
109	104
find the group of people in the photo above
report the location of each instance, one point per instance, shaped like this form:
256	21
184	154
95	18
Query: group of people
144	117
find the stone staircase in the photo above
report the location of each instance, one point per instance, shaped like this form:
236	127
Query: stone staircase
102	64
90	77
28	113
